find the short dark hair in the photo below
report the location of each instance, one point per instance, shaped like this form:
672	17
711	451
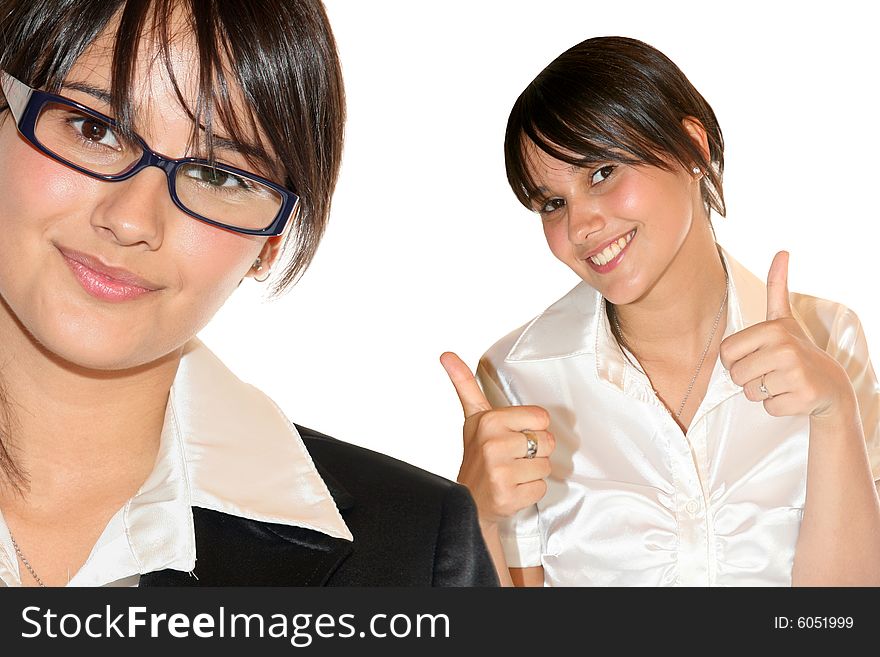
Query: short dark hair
282	55
612	99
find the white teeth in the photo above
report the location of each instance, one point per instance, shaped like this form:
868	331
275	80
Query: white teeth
612	250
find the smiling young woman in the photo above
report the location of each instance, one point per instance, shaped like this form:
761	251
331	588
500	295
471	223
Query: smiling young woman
672	420
153	154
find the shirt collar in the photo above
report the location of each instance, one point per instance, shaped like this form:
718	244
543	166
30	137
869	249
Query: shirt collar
224	446
577	324
242	455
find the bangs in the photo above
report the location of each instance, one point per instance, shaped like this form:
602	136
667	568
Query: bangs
214	104
572	133
154	20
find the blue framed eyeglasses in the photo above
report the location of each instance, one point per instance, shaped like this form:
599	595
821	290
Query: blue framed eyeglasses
89	142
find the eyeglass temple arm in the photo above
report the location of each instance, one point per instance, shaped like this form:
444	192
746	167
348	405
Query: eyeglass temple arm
17	94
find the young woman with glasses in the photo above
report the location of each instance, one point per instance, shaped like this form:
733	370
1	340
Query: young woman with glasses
673	420
153	154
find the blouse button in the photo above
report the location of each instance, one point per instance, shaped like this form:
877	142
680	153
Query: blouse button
692	507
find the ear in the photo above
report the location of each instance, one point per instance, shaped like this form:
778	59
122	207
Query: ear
268	255
272	248
697	133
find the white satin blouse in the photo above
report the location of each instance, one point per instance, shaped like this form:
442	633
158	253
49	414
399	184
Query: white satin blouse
225	446
631	500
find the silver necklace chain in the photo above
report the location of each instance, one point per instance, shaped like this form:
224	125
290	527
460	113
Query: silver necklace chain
24	560
705	350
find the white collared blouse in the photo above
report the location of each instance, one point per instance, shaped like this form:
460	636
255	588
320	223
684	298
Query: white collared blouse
633	501
225	446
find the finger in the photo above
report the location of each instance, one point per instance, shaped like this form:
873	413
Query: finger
469	393
529	493
517	444
778	305
546	443
783	405
512	445
526	470
514	418
773	382
737	346
763	336
753	366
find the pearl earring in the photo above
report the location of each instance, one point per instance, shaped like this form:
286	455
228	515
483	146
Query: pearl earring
696	170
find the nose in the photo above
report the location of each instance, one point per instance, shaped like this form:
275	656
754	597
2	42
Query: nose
583	220
133	211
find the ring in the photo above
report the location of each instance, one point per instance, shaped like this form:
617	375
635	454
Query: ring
763	388
531	445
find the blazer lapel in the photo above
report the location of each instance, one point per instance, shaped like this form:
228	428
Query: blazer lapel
234	551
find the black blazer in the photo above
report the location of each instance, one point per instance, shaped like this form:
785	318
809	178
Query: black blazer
410	528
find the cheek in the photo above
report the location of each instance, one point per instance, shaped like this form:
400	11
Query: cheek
211	263
655	200
631	197
36	196
556	234
35	190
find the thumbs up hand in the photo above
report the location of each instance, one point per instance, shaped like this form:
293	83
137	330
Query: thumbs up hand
496	465
778	364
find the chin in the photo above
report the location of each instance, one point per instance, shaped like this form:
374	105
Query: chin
620	292
79	344
93	356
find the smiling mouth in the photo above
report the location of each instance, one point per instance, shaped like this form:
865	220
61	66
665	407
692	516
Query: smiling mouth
612	250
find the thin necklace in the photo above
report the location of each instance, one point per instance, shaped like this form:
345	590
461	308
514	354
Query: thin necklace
705	350
24	560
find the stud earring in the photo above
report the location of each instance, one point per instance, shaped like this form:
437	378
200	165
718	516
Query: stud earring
258	266
696	170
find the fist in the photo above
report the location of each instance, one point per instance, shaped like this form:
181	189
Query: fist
778	364
497	468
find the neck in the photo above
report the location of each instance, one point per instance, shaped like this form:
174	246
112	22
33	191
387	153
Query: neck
678	311
77	432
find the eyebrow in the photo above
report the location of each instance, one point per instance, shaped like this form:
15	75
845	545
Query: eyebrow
95	92
249	150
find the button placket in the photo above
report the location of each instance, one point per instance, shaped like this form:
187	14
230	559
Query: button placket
692	550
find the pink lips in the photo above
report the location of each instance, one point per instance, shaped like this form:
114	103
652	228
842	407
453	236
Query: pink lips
611	264
103	281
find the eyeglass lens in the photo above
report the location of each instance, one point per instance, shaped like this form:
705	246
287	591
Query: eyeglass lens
210	191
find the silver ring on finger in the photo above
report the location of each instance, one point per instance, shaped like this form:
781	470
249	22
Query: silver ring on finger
763	387
531	445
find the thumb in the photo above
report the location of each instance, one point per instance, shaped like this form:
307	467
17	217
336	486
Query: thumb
777	287
469	393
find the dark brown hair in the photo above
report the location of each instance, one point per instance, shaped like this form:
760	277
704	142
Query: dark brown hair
280	55
613	99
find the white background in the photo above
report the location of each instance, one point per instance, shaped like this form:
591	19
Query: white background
427	249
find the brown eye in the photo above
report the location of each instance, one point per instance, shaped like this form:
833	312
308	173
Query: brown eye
602	173
93	130
551	205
